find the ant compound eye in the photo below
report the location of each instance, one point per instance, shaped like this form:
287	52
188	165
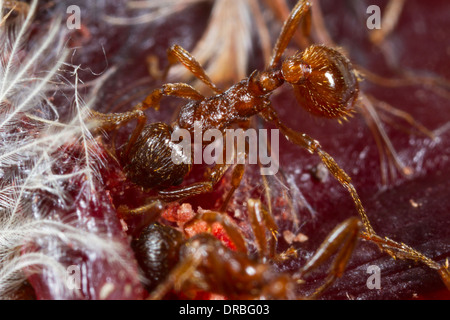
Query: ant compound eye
331	87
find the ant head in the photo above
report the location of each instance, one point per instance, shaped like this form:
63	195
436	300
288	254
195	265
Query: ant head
324	81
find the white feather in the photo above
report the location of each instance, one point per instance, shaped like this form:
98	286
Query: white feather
27	156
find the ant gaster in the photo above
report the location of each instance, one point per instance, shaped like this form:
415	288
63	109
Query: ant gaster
324	82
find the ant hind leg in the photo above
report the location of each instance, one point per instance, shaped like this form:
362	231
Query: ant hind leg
341	240
396	250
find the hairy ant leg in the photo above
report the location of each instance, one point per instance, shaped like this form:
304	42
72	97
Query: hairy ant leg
402	251
261	221
177	54
300	10
341	240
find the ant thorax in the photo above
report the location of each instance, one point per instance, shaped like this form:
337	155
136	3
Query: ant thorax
236	104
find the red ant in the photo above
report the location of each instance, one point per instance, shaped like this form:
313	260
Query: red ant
324	83
203	263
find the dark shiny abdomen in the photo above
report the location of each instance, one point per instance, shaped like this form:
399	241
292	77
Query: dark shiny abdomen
150	159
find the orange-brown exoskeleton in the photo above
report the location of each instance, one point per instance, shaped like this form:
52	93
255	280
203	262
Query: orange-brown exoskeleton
324	83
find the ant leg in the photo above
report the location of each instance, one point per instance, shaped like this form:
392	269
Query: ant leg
236	175
110	121
305	141
17	6
178	54
290	26
151	210
261	221
197	188
281	11
393	248
342	240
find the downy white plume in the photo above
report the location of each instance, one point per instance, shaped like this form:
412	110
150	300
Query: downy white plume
32	133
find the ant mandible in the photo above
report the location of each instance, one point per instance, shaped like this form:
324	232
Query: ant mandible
324	82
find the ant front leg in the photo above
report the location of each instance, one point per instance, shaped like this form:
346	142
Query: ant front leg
313	146
178	54
261	221
179	90
341	240
110	121
236	178
19	7
212	177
